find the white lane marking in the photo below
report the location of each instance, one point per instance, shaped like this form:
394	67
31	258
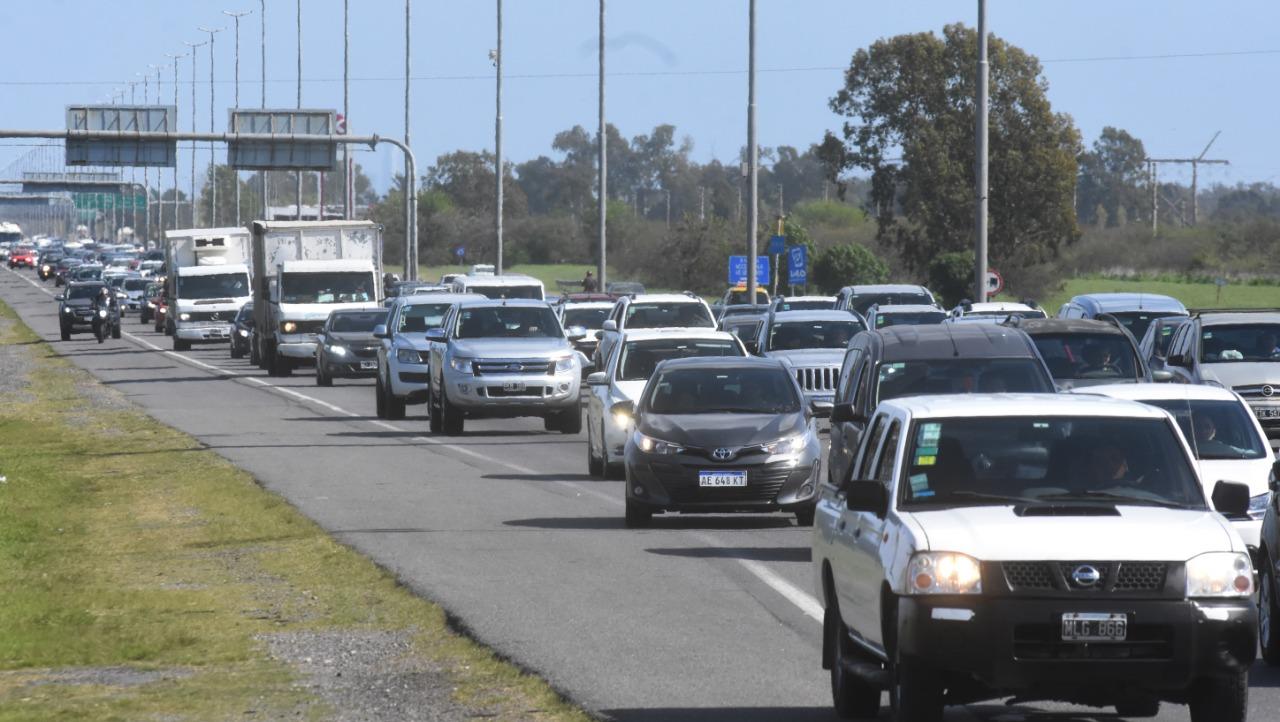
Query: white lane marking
804	601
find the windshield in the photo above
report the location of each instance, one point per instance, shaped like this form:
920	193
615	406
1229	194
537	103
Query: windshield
862	304
496	292
226	285
83	291
809	305
1243	342
586	317
422	317
327	287
86	274
668	315
1028	460
356	321
622	287
1002	315
640	358
508	322
746	330
899	318
1088	356
794	335
720	390
1216	430
960	376
1138	321
245	315
135	284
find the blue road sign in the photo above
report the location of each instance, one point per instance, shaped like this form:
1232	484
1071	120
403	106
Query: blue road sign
460	251
738	270
777	245
798	265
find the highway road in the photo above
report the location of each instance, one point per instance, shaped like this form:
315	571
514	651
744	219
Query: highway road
707	618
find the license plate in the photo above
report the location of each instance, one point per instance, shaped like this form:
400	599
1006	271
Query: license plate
513	386
722	478
1268	412
368	365
1094	627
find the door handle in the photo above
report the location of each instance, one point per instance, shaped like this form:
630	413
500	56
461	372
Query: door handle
857	533
841	524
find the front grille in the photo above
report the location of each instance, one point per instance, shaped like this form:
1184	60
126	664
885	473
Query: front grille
1116	577
364	351
1028	575
1258	391
1141	576
216	316
1044	642
500	367
410	377
528	392
763	483
819	380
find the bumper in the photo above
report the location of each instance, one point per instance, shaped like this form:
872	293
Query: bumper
77	321
1014	645
778	485
409	381
515	395
188	332
298	346
350	369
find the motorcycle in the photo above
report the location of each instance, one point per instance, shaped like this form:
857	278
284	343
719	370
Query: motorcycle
100	324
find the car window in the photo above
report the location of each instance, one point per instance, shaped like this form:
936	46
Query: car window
862	304
844	393
959	376
792	335
903	318
668	315
1216	430
507	322
639	358
356	322
1138	321
1088	355
1240	342
585	317
884	466
421	317
868	452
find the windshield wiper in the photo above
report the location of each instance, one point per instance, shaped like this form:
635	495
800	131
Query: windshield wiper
1113	496
1002	498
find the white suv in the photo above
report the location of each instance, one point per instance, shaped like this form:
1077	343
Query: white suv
1036	546
404	352
651	310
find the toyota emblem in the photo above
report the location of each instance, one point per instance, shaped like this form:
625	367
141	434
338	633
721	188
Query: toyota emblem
1268	390
722	454
1086	576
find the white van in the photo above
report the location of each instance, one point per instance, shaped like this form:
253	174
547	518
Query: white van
510	285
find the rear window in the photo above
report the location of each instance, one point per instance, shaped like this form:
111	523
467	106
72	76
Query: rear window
862	304
960	376
640	358
898	318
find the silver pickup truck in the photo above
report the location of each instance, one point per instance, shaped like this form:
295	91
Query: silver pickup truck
503	359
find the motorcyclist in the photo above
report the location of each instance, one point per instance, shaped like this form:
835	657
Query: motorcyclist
105	300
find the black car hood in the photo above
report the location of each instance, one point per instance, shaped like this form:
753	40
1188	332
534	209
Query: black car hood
354	338
79	302
715	430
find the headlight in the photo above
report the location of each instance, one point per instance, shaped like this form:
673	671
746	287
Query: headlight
1258	505
787	445
338	350
243	333
288	327
66	309
944	573
460	364
1220	574
412	356
184	317
564	365
102	313
650	445
150	305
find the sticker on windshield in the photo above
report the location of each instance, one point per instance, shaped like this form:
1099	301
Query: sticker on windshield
920	485
1207	335
926	460
928	434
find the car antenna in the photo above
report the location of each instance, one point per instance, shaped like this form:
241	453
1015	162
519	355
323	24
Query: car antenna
951	337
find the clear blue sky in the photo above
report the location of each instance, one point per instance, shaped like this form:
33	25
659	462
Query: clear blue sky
677	61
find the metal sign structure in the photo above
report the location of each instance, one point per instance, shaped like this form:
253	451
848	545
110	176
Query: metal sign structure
109	201
125	120
282	155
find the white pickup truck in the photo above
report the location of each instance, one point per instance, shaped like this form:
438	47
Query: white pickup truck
1032	546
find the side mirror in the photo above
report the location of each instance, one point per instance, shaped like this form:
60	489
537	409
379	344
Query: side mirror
597	379
435	334
868	496
1162	376
753	347
610	325
1231	499
844	414
820	409
1176	359
380	331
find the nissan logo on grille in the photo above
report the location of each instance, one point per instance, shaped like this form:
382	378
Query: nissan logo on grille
1086	576
722	454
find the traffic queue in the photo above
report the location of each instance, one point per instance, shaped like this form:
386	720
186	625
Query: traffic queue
1003	504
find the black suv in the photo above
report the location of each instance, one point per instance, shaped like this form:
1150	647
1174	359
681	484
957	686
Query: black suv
75	309
918	360
1084	352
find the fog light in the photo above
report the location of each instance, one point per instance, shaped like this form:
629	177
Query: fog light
806	490
638	490
564	387
464	388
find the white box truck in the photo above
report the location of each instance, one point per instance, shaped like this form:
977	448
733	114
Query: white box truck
208	283
302	271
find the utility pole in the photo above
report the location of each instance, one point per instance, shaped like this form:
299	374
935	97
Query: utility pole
262	18
194	58
1155	201
753	158
702	203
133	172
603	142
497	141
146	175
410	212
298	174
175	59
346	107
980	158
1195	164
668	191
213	163
236	16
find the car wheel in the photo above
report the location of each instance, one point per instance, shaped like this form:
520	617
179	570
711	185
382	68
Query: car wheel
1268	613
595	464
451	420
116	332
1139	708
322	378
804	517
66	333
395	406
236	351
379	399
1220	699
168	329
851	697
916	695
570	421
181	345
434	414
638	517
551	422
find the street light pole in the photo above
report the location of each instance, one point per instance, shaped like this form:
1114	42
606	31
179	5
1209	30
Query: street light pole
298	196
410	212
603	141
213	165
262	17
236	16
346	107
175	59
753	159
497	142
980	148
194	59
146	175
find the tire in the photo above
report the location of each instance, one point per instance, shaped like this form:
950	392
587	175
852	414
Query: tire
322	379
116	332
1268	613
551	422
595	464
395	407
851	697
434	414
804	517
379	399
916	695
236	352
181	345
1139	709
1220	699
570	421
66	333
451	419
638	517
168	329
284	366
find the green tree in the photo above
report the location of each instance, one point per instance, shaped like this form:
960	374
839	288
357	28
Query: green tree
846	265
909	105
1113	177
951	277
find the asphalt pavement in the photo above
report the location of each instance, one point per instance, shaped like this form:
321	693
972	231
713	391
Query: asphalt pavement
700	617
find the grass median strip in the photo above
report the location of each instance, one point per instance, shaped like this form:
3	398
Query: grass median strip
147	578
